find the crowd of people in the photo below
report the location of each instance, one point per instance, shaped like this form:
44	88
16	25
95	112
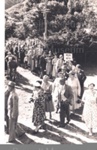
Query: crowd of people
64	95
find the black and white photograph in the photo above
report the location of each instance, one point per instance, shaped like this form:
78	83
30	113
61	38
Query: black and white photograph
50	72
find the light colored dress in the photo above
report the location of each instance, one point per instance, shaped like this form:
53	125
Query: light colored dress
75	85
49	66
54	61
55	88
90	109
59	64
47	88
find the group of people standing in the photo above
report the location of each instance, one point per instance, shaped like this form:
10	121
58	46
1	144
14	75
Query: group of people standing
64	95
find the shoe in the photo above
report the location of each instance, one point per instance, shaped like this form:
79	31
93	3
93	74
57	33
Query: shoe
43	127
14	141
61	125
7	132
67	121
35	132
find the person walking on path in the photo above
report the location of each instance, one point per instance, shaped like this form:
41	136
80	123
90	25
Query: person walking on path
39	106
89	114
7	94
13	114
47	88
65	96
73	82
81	76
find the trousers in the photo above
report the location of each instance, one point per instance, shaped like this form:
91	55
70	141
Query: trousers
12	129
7	121
64	112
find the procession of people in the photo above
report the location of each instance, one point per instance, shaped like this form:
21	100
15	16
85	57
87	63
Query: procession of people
64	94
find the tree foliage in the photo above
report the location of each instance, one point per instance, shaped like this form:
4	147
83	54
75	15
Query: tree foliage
64	28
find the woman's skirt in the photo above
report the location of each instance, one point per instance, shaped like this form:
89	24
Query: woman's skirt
49	107
38	112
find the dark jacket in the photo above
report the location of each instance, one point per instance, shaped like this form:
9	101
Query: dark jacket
68	94
82	77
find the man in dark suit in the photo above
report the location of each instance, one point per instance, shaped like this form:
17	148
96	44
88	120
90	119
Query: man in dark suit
7	93
81	76
65	96
13	113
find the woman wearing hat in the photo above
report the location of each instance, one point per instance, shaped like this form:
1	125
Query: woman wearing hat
47	88
90	108
39	106
73	82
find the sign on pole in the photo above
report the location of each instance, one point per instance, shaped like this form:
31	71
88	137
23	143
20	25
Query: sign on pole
68	56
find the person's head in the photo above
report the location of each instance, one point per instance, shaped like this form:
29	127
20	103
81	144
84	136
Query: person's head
55	56
60	73
91	86
45	78
60	56
78	67
74	62
70	63
72	74
37	85
9	53
50	52
62	81
11	86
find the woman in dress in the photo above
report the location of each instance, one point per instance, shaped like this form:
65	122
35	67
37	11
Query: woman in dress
39	106
90	108
47	88
73	82
54	61
49	66
55	87
59	63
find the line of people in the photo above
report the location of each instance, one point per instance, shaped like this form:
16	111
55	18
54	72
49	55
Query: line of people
64	95
43	99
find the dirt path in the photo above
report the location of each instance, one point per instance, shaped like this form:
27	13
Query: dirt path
75	132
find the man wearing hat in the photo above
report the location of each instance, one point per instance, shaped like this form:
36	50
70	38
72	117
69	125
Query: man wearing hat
13	113
7	93
65	96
